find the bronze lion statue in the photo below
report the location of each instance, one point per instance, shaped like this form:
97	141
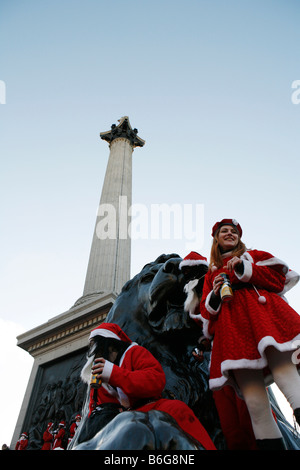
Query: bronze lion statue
150	309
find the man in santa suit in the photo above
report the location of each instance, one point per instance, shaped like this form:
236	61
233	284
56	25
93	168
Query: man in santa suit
22	442
59	435
73	427
48	437
133	378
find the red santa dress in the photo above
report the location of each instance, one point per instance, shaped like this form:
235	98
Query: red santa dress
137	383
245	327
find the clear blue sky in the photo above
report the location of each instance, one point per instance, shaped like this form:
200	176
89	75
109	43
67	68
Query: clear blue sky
209	86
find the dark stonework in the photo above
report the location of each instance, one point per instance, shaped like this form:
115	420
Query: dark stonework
58	395
124	130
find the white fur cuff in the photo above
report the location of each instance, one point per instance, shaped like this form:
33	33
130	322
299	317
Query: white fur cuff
107	370
208	307
247	274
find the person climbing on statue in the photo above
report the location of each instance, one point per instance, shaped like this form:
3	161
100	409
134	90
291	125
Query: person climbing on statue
130	378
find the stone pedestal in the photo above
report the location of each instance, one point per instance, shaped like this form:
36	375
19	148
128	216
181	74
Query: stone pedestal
59	349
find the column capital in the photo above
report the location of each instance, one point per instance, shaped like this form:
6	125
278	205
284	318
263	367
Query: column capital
125	131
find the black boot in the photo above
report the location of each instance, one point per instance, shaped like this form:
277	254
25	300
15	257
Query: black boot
270	444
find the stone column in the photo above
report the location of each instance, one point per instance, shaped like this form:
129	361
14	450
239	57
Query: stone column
109	263
65	336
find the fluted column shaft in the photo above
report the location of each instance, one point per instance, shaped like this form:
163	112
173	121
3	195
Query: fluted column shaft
109	262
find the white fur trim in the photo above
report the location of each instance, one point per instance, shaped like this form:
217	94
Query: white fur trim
125	352
292	278
195	316
260	363
87	370
111	390
205	327
247	274
192	300
273	262
192	262
190	285
103	332
247	256
107	370
208	307
122	397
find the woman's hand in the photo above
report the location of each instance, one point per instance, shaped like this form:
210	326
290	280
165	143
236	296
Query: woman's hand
98	366
217	283
234	264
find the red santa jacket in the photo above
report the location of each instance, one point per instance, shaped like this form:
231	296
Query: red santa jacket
261	269
47	438
139	376
22	443
59	439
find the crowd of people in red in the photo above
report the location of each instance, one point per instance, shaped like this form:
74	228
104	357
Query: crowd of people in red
53	437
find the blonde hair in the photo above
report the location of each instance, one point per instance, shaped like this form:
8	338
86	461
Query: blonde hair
216	258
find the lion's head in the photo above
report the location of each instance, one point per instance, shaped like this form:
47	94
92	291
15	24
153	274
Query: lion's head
150	309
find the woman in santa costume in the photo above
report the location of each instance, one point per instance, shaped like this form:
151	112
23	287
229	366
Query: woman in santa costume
254	334
133	378
233	413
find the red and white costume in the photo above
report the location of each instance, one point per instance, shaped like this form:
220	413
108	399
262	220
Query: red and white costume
243	328
137	383
73	428
59	436
22	442
48	437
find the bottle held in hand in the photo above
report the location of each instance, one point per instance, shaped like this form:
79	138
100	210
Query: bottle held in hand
226	292
95	382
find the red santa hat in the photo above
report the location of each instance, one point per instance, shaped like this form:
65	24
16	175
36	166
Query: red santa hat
193	259
110	330
107	330
232	222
